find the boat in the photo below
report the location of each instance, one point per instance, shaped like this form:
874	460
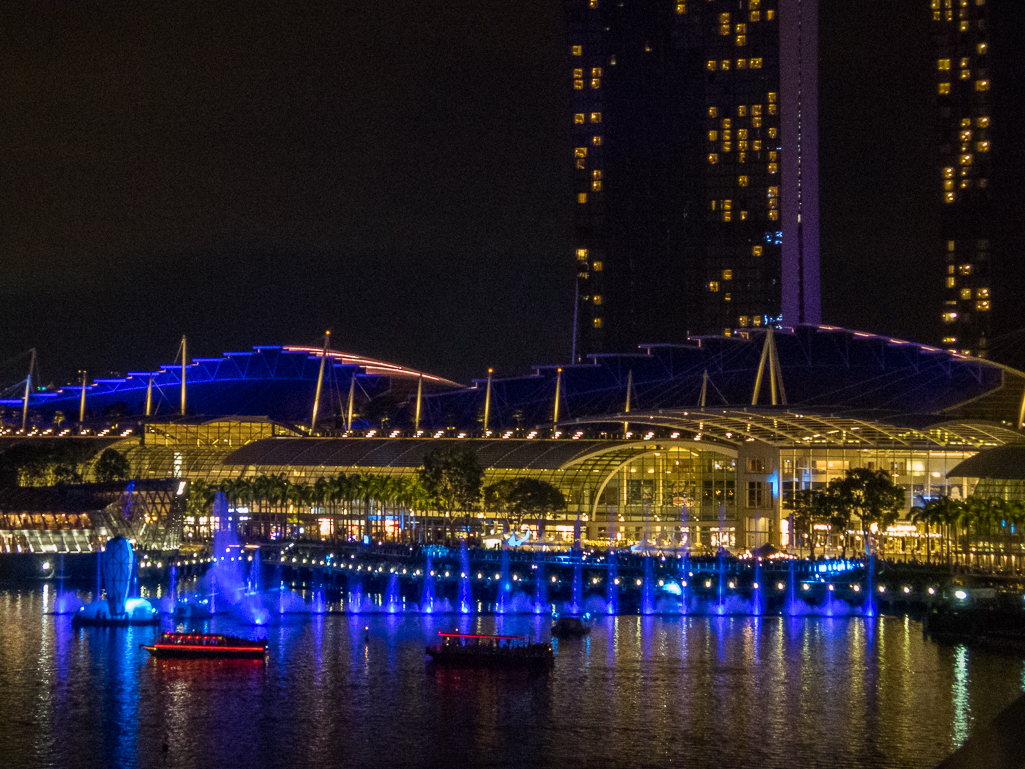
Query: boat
490	652
569	627
205	646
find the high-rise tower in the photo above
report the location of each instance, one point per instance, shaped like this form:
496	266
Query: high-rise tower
959	33
696	175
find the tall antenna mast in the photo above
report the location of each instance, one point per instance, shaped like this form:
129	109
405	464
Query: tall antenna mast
320	382
487	403
184	360
28	388
81	402
419	396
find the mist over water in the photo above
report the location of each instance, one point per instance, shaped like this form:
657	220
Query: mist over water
354	690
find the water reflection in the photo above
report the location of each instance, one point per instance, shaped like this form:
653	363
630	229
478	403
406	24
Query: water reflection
699	691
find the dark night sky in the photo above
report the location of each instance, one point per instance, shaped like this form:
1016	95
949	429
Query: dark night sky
253	173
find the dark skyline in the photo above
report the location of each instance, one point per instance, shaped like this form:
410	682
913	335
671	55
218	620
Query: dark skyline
395	173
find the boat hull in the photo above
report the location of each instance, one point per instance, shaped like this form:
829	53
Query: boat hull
179	652
449	658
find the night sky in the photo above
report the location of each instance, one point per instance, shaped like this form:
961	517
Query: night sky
254	173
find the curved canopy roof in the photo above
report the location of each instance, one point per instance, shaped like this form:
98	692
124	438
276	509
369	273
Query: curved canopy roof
1005	463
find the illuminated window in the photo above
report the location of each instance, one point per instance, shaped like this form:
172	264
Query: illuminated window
982	146
742	146
770	14
578	85
944	88
741	40
742	132
581	163
727	274
948	173
713	112
757	146
741	29
774	215
580	152
582	197
752	4
726	147
756	63
596	186
595	83
681	7
727	297
593	4
982	293
948	197
595	71
595	117
966	293
742	181
713	158
582	254
756	251
578	118
965	74
757	320
597	323
773	168
981	48
578	74
948	184
727	216
713	286
949	317
724	18
726	123
773	131
943	64
756	15
965	269
756	109
966	135
596	141
982	122
712	64
965	160
726	136
596	174
725	65
772	97
981	85
578	50
950	340
950	269
773	192
951	281
713	136
742	157
966	122
982	305
741	63
742	320
597	299
598	266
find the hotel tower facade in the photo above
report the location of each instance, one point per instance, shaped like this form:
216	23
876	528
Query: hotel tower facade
695	168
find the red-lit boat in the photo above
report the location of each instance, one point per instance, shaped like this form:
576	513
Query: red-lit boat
205	646
490	652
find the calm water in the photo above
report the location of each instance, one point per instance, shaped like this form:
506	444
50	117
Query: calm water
694	692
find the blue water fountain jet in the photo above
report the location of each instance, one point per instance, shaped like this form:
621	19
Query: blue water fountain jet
540	586
684	579
578	585
254	573
720	568
505	584
756	593
648	588
870	568
465	592
393	602
427	597
792	588
611	588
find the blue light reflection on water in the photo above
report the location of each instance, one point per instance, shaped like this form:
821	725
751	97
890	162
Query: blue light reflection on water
702	691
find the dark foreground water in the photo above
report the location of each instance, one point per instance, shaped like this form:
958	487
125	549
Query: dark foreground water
694	692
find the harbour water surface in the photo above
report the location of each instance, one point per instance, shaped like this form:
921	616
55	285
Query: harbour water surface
341	690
